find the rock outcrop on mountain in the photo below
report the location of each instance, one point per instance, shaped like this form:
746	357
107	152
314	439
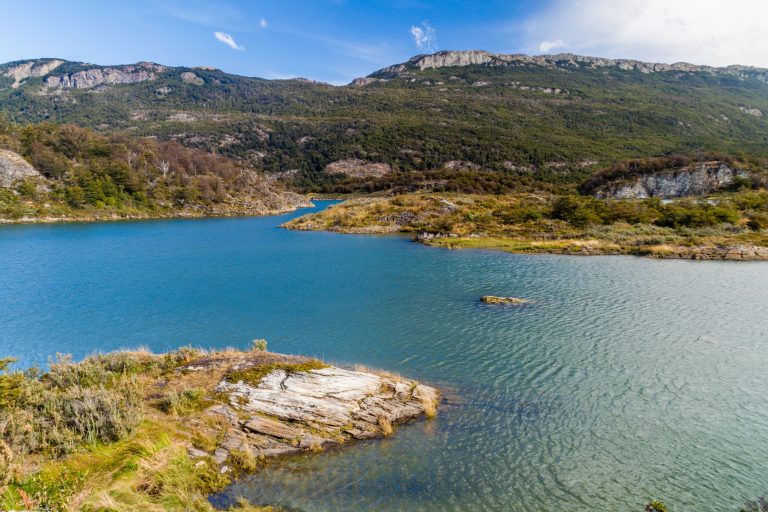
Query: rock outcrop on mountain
694	180
89	78
33	68
356	168
13	168
561	60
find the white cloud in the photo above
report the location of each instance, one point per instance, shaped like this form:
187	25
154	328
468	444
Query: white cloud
424	36
263	23
548	46
228	40
713	32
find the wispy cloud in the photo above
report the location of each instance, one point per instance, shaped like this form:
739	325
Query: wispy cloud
424	36
228	40
263	23
548	46
713	32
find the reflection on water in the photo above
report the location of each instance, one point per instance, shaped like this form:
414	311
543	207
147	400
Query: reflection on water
627	379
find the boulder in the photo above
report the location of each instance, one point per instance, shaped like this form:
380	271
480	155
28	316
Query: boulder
13	168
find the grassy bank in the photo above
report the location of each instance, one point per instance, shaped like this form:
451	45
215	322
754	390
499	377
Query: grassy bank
726	226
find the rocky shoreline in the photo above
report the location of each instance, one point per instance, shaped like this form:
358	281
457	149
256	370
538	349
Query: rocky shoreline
287	411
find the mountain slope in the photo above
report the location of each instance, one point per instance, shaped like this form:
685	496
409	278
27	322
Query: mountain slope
497	120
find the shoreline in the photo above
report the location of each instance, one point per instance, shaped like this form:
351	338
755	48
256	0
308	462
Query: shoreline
478	222
172	429
183	214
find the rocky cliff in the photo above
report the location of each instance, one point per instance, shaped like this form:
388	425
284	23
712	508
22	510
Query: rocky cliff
33	68
96	76
694	180
79	75
13	168
561	60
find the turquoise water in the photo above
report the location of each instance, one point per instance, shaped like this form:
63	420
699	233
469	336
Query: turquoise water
627	379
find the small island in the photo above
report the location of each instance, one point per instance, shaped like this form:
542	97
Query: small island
164	431
493	299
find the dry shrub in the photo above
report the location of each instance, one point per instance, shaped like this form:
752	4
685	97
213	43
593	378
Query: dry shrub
385	425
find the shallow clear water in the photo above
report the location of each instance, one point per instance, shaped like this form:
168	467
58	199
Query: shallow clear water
627	379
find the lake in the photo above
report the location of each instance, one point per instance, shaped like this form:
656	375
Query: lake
626	379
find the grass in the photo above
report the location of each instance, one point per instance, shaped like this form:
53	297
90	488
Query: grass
253	375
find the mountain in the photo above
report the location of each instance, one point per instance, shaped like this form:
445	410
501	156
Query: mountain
463	120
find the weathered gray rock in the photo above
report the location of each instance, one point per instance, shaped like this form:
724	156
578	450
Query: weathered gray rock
220	455
29	69
89	78
13	168
694	180
321	407
196	453
262	425
191	78
356	168
292	411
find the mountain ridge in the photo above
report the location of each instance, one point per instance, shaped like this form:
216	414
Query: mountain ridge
46	66
460	58
507	120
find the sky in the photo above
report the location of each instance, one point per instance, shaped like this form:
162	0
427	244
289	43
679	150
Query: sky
337	40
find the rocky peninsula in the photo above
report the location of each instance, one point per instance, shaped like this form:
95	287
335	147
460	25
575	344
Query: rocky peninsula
150	432
729	226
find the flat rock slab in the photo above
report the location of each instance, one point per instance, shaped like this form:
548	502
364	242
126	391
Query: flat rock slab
331	398
289	411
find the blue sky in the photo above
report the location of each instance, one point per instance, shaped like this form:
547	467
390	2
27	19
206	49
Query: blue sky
337	40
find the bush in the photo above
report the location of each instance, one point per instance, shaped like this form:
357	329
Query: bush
656	506
690	214
757	221
578	211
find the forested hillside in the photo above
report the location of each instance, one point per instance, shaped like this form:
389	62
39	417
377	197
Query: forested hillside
63	171
499	122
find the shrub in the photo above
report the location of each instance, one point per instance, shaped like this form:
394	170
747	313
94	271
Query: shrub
578	211
259	345
181	403
656	506
757	221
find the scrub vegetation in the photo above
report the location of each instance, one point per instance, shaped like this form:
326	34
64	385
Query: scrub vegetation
562	224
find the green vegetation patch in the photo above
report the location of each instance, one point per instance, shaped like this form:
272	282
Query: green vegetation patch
255	374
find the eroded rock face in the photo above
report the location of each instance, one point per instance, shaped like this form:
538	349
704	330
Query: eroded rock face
695	180
191	78
560	60
333	402
356	168
93	77
13	168
21	72
289	412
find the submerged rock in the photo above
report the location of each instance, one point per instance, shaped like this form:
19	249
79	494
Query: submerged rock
493	299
